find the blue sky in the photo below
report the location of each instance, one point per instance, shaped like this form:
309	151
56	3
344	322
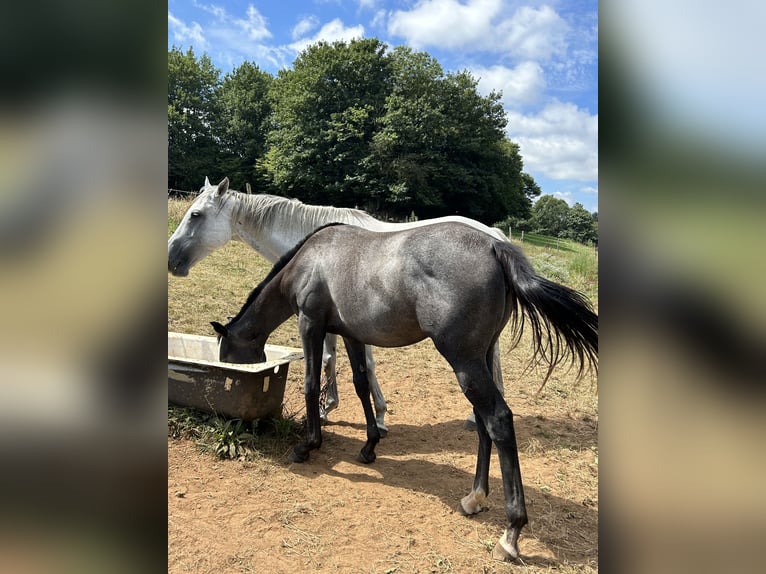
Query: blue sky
543	56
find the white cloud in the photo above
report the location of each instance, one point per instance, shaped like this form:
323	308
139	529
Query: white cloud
231	39
219	12
565	195
533	34
444	23
369	4
331	32
482	25
379	20
520	85
305	26
561	141
184	34
254	25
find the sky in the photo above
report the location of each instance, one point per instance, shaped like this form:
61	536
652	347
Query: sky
542	56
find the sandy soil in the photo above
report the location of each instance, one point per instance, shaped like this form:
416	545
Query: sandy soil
334	514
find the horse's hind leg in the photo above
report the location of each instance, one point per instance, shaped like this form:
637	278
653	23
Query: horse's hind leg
328	366
377	394
476	382
497	375
357	356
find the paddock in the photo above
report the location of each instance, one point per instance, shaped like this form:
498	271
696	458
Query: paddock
333	514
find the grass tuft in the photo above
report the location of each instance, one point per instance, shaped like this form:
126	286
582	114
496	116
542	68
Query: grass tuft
233	438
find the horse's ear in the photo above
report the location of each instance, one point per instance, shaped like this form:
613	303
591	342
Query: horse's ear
223	187
220	329
207	182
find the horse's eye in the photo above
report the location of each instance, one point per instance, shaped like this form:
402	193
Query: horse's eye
195	214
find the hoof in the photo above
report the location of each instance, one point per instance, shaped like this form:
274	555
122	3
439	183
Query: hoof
329	406
460	510
500	552
507	548
366	459
295	456
472	503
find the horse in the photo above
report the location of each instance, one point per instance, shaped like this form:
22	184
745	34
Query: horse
272	225
447	282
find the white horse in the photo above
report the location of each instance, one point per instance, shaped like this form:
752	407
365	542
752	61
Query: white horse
272	226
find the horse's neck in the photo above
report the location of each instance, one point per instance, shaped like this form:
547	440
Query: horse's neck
278	229
268	311
265	233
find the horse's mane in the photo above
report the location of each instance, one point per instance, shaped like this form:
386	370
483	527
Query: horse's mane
262	210
278	266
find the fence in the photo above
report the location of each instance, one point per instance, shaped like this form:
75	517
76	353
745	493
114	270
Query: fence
180	193
184	193
548	241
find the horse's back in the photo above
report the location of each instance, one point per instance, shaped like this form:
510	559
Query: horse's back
396	288
477	225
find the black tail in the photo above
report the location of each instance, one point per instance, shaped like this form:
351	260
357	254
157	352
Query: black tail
563	322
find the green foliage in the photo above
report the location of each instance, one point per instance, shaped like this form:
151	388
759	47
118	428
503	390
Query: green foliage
351	124
552	220
325	111
192	107
242	124
441	147
233	438
549	216
580	225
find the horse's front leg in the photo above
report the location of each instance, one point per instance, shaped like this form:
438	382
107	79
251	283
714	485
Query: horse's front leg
312	337
377	394
358	356
331	399
473	502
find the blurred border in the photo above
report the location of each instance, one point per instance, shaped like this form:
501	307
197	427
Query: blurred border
82	293
683	318
82	232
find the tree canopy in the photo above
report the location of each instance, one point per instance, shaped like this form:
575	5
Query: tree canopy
350	124
192	149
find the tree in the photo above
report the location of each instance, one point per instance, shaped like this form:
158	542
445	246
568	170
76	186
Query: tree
549	215
530	187
325	114
441	148
579	224
242	122
405	148
192	150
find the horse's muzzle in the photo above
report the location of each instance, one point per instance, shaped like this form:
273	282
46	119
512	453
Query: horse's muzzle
180	269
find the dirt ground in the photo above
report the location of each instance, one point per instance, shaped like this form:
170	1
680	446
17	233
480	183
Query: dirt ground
334	514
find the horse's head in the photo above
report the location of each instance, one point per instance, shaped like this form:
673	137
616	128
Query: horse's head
205	227
233	348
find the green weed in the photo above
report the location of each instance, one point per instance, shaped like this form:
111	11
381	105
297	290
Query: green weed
233	438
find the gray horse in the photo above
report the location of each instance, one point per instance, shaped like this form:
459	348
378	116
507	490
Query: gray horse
448	282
